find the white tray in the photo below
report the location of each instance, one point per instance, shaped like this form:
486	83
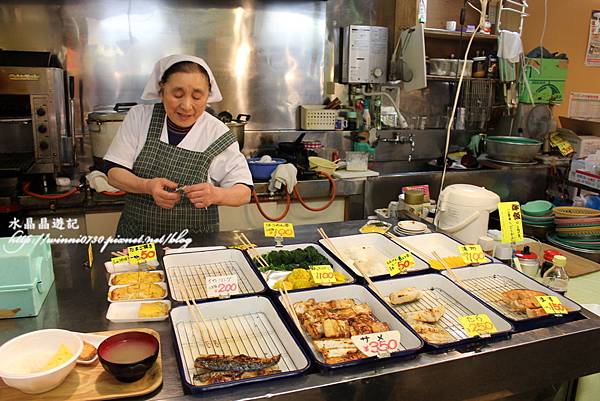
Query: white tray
408	340
438	290
173	251
162	273
95	341
487	282
112	287
127	312
191	270
383	244
249	326
273	276
442	244
127	267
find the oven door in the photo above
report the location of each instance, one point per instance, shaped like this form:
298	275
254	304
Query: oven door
17	149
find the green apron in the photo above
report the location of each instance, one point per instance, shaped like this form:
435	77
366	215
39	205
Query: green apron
141	216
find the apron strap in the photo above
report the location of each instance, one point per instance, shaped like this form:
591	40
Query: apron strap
157	122
219	146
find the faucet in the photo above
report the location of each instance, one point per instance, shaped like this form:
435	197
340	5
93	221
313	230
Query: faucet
402	139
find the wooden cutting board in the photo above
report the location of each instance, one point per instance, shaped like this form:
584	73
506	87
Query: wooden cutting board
92	382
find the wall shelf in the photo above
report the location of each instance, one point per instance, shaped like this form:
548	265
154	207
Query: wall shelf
453	35
445	78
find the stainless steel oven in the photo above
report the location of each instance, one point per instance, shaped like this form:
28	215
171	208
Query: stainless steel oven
34	135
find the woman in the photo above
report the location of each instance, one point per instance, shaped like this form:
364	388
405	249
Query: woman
174	145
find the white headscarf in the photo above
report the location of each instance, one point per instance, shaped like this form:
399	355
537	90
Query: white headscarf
152	89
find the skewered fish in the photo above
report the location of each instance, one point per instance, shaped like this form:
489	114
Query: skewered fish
212	377
405	296
431	333
235	363
520	300
428	315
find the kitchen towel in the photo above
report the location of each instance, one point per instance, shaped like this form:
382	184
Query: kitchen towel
284	174
99	182
510	46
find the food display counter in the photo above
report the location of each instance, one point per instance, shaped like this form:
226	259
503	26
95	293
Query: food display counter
523	365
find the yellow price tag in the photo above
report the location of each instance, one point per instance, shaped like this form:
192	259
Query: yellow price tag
119	259
551	305
511	222
282	230
477	325
141	253
322	274
472	254
90	254
400	263
564	147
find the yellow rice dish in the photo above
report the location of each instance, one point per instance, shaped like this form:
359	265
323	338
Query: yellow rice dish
60	356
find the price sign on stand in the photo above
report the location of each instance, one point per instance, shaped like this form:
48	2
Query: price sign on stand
322	274
400	263
477	325
472	254
551	305
141	253
564	147
281	230
222	286
511	222
378	344
120	259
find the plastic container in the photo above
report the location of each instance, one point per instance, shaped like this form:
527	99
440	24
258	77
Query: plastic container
114	287
263	171
357	161
529	262
128	312
316	117
537	208
322	165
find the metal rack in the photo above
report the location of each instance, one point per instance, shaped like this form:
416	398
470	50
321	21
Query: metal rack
434	297
193	277
491	289
249	334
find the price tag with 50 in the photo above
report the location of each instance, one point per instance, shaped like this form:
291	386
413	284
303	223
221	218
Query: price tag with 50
551	305
282	230
400	263
472	254
378	344
322	274
141	253
222	286
477	325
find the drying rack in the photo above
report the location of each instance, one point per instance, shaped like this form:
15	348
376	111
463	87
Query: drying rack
520	10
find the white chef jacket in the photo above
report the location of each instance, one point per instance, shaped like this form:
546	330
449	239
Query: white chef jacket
227	169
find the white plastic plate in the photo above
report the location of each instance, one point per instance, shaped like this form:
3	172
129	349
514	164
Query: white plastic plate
93	339
128	312
112	287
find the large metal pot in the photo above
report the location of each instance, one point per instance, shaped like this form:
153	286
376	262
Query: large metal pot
512	148
236	126
103	126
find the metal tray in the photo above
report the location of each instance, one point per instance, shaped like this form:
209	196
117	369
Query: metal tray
191	269
488	282
438	290
383	244
410	343
273	278
250	326
438	242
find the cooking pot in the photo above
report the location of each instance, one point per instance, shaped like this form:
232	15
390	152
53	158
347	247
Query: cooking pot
236	126
512	148
103	126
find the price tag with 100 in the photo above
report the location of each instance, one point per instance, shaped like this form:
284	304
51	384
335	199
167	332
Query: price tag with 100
472	254
322	274
400	263
281	230
141	253
222	286
478	325
378	344
551	305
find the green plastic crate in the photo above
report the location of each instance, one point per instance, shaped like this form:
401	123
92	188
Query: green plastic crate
546	79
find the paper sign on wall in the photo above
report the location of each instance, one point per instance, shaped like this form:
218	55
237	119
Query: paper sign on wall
511	222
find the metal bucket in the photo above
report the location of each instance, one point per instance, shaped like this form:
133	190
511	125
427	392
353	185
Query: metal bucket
235	126
512	148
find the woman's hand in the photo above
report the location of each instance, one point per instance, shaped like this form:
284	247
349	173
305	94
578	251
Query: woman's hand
203	195
156	188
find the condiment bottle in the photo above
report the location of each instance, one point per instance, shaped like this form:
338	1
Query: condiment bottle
556	277
529	262
549	254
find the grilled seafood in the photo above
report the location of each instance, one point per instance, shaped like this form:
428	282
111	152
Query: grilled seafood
523	301
331	324
212	377
427	315
235	363
430	333
405	296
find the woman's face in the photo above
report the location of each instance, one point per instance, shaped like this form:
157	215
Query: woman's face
184	96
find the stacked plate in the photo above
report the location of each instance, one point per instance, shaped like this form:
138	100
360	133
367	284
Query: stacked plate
538	213
578	227
410	227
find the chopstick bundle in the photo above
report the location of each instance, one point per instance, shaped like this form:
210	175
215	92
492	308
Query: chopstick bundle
189	301
253	253
448	268
285	299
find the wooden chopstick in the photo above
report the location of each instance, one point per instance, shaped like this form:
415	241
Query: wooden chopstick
288	305
199	319
448	268
329	242
253	253
423	255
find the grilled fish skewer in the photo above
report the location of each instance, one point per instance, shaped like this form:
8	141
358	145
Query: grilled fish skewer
237	363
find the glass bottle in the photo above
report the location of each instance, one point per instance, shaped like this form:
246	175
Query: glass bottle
556	277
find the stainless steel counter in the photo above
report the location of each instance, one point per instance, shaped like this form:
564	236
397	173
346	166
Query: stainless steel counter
522	367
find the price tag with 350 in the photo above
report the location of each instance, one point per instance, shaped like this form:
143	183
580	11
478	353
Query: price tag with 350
551	305
400	263
282	230
472	254
141	253
378	344
222	286
478	325
322	274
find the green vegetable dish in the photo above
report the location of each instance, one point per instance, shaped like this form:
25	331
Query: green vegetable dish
290	260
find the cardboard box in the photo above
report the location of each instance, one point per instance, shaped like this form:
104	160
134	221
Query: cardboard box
584	145
546	79
581	127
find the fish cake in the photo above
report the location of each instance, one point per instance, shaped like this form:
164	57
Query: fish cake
88	353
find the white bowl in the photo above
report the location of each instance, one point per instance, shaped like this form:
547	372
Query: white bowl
32	351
